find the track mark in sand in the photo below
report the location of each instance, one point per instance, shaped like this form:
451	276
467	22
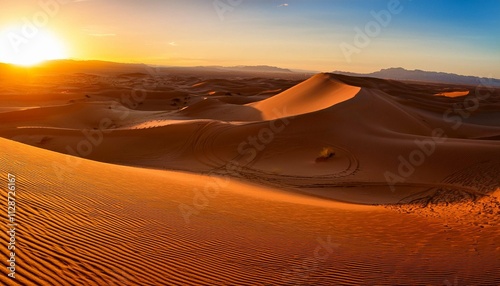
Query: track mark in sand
471	183
251	173
204	142
470	202
200	143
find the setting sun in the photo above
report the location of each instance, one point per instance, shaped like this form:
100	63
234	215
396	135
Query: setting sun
27	51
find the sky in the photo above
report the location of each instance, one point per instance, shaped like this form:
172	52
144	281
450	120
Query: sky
456	36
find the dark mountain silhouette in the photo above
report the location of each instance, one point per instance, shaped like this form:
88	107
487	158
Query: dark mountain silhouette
426	76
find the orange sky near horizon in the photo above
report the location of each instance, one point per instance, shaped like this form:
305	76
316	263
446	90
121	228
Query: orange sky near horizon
320	36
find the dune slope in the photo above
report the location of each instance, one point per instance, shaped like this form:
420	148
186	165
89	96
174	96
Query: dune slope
101	224
317	93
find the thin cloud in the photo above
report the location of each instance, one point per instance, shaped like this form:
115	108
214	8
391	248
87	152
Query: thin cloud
174	44
283	5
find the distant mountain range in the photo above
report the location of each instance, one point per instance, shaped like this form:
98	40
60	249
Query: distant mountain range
426	76
112	68
401	74
93	64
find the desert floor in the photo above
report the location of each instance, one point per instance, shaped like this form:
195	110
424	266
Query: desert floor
128	175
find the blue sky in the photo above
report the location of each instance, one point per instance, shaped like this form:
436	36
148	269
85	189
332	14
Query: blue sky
451	36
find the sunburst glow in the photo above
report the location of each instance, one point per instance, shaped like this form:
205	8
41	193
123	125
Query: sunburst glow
18	49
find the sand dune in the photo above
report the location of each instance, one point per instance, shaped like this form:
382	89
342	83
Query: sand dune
317	93
290	129
454	93
407	190
93	225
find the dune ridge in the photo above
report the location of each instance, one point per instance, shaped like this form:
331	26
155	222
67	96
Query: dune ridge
317	93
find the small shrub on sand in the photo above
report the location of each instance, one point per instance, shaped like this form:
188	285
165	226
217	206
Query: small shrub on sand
325	154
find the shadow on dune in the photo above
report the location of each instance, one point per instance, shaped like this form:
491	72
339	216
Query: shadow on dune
468	184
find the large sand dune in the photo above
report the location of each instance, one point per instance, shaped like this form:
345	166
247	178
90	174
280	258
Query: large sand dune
317	93
414	178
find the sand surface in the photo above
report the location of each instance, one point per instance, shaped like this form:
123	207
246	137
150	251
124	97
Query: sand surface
192	179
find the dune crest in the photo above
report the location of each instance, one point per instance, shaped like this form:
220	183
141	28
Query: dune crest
317	93
454	93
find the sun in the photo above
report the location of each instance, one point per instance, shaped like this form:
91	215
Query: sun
28	50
